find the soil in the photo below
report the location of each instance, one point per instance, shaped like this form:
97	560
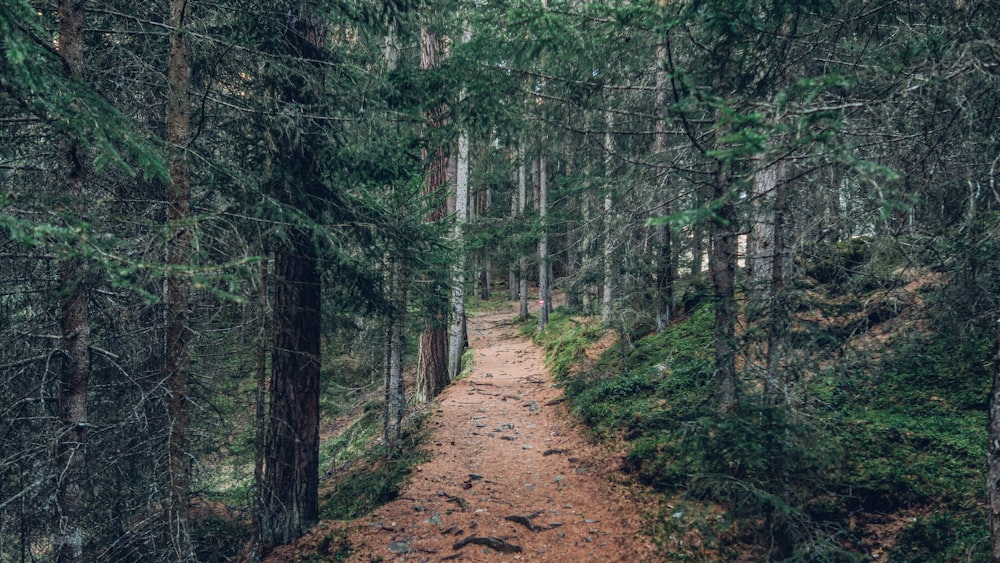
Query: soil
511	477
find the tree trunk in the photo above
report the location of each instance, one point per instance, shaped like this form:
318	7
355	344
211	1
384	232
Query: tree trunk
587	260
395	396
74	374
292	460
665	265
522	202
432	359
608	297
260	417
544	281
722	268
760	246
485	277
775	381
291	465
178	281
456	338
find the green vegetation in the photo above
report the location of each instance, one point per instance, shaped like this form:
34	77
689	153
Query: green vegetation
371	482
564	339
880	437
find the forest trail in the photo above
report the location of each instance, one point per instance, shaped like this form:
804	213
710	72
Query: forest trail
510	478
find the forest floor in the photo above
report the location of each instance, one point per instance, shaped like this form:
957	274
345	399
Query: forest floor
510	476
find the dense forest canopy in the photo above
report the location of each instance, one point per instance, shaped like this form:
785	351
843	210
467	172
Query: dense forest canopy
212	213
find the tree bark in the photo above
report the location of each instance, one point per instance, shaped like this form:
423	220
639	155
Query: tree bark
395	395
456	337
178	281
775	380
666	269
432	362
292	460
544	280
291	465
522	202
722	268
74	374
608	297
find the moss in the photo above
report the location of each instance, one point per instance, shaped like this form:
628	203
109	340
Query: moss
565	339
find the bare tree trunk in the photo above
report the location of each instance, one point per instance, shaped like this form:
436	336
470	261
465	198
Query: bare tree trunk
292	461
664	253
74	374
760	246
485	279
178	281
511	271
522	201
587	260
395	395
544	281
697	249
775	382
608	299
456	337
723	271
260	417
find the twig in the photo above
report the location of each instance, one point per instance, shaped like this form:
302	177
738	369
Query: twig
496	544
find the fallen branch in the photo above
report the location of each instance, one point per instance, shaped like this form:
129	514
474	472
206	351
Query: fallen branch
495	544
526	521
457	500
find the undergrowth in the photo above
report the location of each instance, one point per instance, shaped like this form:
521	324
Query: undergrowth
371	477
902	430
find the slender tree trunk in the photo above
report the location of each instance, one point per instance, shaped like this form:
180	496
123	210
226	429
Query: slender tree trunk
260	417
522	202
485	279
511	271
722	268
74	374
587	260
395	395
775	382
456	336
292	461
664	255
544	281
74	381
395	392
760	246
178	280
608	298
697	249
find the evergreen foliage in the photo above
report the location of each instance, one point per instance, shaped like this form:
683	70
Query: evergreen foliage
850	309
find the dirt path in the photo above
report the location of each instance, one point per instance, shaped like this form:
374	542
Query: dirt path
509	470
